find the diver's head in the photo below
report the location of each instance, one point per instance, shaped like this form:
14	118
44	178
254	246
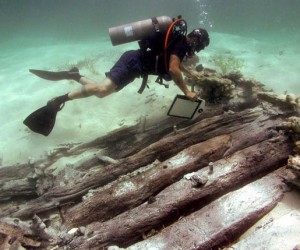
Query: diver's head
198	39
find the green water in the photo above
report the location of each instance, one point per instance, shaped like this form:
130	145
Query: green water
75	19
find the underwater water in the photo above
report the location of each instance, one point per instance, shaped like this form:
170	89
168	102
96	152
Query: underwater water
50	34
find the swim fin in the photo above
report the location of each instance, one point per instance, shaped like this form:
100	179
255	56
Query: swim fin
72	74
43	119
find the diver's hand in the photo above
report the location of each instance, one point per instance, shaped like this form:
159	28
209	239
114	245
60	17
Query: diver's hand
191	95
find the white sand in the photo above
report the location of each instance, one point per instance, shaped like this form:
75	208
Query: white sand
83	120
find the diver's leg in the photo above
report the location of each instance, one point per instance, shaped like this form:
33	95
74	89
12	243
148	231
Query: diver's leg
89	88
105	88
84	81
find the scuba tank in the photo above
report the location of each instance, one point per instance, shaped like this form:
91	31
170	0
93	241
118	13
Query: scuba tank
138	30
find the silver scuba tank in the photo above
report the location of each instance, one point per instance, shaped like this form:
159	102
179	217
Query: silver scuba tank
138	30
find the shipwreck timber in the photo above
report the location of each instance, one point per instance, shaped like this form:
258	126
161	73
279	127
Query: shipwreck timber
197	187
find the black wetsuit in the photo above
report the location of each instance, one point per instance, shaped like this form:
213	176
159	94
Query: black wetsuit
136	63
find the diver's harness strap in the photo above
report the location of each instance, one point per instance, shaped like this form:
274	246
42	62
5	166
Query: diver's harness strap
144	84
159	79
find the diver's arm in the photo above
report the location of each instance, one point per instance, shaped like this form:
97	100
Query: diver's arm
175	72
187	70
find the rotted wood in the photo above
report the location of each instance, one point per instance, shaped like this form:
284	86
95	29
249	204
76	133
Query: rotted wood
123	195
132	182
221	221
20	180
294	164
275	229
32	234
127	141
295	183
13	237
171	203
12	181
160	150
147	183
289	103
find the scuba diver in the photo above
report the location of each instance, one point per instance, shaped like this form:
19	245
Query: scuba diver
160	54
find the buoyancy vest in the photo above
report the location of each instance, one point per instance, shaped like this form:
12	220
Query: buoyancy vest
155	50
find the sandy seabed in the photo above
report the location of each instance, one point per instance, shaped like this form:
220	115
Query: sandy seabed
83	120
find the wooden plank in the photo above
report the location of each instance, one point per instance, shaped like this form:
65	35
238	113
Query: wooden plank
110	201
161	150
219	222
174	201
